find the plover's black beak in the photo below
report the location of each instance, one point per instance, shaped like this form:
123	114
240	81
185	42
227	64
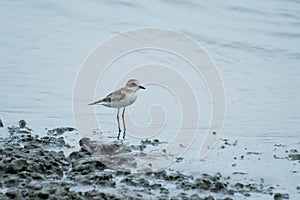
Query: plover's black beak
141	87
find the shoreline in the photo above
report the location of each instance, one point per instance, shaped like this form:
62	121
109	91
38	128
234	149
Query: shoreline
28	170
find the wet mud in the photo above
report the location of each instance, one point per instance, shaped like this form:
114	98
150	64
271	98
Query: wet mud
31	169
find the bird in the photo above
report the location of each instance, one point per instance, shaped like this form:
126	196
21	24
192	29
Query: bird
121	98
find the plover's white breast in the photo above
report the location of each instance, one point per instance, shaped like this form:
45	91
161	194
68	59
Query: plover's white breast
128	99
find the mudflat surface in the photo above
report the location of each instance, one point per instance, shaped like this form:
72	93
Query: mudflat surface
33	166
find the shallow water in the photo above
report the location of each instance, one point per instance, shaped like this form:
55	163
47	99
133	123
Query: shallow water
254	45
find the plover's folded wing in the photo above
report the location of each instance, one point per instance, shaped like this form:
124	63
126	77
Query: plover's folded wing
115	96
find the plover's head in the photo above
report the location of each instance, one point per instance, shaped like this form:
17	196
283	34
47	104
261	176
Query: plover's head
134	85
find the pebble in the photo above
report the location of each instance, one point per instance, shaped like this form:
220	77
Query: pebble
281	196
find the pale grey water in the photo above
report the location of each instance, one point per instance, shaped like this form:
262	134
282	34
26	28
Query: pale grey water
255	45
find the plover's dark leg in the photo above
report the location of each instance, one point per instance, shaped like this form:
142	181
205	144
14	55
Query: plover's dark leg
124	122
118	123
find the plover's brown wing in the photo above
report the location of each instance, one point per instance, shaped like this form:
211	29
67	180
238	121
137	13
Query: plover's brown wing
115	96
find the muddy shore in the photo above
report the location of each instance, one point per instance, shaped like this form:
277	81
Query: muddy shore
30	170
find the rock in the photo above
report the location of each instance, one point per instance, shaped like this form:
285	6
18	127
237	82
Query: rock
43	195
104	179
87	145
1	124
195	197
76	155
22	123
37	176
161	175
122	173
87	166
31	146
203	184
25	175
19	164
209	198
60	131
12	194
155	186
294	156
2	168
247	195
280	196
239	185
218	186
35	186
154	142
13	182
230	192
164	191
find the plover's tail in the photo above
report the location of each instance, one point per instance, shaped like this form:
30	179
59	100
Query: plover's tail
96	102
